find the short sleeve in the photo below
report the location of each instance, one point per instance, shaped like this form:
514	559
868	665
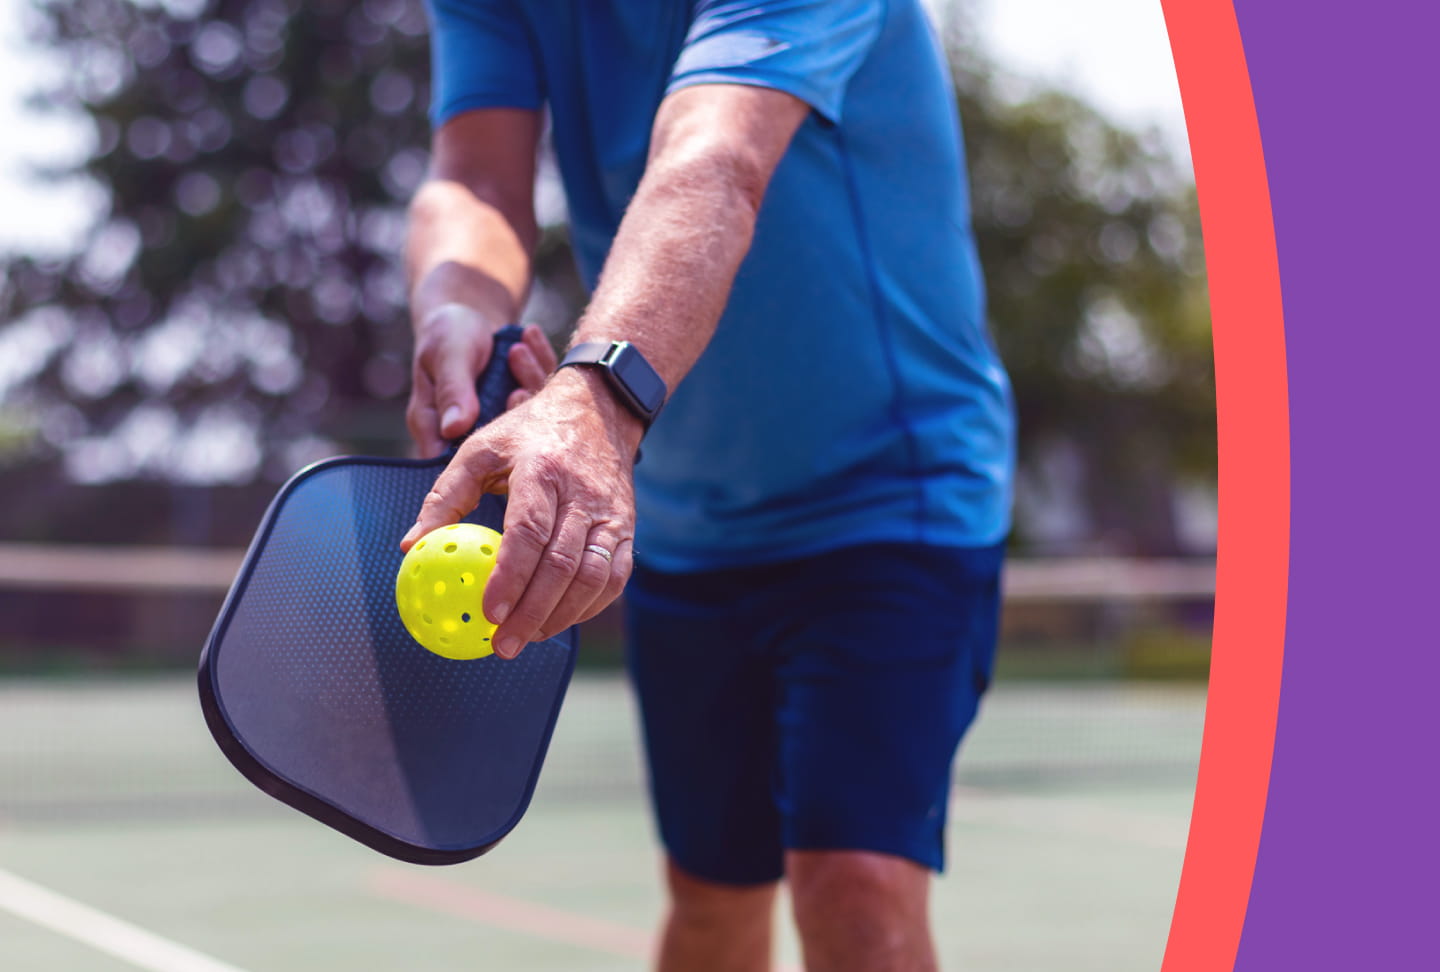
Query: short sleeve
808	48
482	55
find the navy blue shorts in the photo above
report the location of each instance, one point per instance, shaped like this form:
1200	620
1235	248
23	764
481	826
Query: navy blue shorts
810	705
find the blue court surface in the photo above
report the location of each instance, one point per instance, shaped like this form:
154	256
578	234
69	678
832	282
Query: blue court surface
127	841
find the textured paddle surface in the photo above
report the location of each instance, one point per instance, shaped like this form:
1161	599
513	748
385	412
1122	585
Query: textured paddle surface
315	676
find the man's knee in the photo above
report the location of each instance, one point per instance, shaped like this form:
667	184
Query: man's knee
858	910
831	885
698	899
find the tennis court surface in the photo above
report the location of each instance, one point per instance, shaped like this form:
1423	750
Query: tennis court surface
126	841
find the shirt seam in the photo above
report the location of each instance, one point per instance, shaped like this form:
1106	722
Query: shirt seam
899	414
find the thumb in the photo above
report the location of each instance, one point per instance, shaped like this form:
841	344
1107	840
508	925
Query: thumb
455	399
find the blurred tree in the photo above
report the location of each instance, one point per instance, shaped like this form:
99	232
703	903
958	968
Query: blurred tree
239	302
1089	236
240	293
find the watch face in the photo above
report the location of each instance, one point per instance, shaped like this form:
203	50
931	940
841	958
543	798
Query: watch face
642	381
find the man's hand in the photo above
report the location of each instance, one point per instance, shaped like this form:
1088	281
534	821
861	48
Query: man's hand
565	458
452	347
472	229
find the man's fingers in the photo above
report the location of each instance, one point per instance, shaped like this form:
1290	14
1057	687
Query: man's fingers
529	522
452	347
456	492
421	418
455	399
530	373
517	398
540	347
622	564
554	574
592	580
423	424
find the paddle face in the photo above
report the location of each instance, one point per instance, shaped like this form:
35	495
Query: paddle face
317	693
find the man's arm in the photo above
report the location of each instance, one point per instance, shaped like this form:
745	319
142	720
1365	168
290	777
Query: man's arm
468	256
689	226
566	455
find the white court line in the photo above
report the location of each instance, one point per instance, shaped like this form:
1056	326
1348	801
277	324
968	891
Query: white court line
100	931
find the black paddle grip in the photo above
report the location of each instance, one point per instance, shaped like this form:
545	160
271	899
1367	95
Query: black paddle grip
495	383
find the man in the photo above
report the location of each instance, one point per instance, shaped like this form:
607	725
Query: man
768	202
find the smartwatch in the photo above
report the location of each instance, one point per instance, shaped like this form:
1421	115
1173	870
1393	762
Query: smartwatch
627	373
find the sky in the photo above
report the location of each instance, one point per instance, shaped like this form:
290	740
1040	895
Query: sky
42	218
1113	52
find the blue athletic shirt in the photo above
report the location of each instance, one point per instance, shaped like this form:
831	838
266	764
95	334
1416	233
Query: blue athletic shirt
851	393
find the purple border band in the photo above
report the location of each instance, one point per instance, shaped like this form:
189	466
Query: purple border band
1346	96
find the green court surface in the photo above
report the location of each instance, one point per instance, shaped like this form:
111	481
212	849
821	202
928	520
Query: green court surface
127	841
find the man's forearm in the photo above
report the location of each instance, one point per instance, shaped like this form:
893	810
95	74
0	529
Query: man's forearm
690	224
670	269
464	249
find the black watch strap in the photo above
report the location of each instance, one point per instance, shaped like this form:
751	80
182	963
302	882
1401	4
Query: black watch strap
638	386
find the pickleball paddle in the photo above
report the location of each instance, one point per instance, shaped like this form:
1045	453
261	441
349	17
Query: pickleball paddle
316	692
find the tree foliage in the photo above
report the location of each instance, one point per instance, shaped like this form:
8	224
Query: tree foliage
239	302
256	156
1089	235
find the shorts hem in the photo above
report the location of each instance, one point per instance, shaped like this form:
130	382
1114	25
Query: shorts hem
932	860
731	878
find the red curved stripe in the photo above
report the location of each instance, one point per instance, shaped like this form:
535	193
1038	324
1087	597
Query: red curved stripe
1254	435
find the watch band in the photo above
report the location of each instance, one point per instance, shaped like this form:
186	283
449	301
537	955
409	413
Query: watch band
638	386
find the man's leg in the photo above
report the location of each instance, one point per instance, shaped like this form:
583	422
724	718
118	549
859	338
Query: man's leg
716	927
886	658
706	695
861	912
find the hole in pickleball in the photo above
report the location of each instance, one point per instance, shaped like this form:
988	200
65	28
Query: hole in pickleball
451	547
416	571
453	526
420	545
428	619
487	550
465	618
439	588
467	578
444	640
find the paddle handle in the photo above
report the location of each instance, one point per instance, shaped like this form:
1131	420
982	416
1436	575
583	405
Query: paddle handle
496	382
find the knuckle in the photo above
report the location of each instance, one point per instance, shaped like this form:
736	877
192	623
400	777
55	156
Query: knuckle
450	380
427	349
479	452
527	531
437	503
593	574
561	561
547	469
529	618
613	590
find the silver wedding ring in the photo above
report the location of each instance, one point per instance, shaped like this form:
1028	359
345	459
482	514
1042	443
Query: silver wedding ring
595	548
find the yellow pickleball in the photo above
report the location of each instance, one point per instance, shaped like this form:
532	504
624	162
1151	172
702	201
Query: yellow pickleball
440	586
